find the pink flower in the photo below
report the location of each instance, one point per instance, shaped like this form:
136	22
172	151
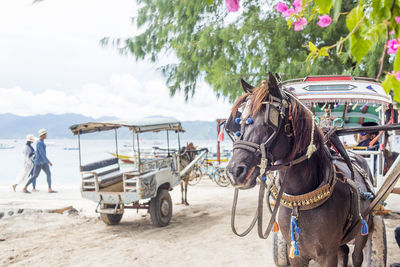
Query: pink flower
397	19
288	12
297	5
391	32
232	5
324	21
397	75
392	72
281	7
299	25
392	46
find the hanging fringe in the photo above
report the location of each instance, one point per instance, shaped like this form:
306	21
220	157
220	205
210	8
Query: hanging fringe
294	228
364	227
311	147
275	227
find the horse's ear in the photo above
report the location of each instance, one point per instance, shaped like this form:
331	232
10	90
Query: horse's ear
273	86
246	87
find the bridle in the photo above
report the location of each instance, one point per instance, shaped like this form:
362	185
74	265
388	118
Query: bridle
277	115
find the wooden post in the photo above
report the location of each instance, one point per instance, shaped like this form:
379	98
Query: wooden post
218	148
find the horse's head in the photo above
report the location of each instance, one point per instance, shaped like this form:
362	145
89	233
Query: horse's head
188	153
263	122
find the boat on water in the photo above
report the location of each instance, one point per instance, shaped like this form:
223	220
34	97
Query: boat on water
6	146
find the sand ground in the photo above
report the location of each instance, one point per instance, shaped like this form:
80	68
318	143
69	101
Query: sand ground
198	235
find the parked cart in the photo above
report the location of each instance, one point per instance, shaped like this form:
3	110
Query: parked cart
146	185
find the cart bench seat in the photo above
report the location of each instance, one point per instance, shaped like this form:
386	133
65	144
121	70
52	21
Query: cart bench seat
107	171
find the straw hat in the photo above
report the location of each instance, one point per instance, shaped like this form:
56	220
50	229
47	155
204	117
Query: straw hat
30	138
42	132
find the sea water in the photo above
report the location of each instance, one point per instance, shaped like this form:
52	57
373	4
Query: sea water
64	155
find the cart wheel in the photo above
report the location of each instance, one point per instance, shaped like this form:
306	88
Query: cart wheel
195	176
280	250
220	178
110	219
375	251
161	208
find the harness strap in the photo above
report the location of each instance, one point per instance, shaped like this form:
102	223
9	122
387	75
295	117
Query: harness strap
261	234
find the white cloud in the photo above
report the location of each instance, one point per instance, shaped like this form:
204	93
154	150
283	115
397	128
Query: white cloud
124	97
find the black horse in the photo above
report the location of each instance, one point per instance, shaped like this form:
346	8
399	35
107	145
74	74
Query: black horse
320	208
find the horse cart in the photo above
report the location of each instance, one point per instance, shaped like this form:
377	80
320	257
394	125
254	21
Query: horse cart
329	192
143	184
346	102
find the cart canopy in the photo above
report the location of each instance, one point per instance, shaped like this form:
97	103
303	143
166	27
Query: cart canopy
137	126
338	89
355	100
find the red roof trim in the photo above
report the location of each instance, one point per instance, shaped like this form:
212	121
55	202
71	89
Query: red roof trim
328	78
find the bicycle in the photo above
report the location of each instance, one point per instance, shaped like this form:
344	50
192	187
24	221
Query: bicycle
215	173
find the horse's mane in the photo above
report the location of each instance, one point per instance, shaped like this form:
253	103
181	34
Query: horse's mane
301	118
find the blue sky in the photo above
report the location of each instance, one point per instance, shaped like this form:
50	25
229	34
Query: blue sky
51	62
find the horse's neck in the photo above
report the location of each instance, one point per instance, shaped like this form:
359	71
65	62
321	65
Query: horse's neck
305	176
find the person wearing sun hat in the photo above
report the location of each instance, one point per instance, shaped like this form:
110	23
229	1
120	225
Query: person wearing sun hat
41	162
29	154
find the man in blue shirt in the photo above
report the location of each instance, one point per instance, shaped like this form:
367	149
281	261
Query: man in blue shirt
41	162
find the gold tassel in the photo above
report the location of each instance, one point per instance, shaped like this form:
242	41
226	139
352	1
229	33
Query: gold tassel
275	228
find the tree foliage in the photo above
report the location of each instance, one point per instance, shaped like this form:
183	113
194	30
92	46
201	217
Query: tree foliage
218	47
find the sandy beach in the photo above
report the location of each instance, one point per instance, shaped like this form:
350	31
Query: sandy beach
198	235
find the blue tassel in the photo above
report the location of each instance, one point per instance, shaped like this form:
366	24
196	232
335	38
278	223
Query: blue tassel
237	133
264	178
296	249
294	227
249	121
364	227
238	120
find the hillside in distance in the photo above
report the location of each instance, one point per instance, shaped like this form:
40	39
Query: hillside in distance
17	127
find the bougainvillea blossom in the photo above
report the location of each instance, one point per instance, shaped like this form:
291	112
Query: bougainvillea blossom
299	25
392	46
324	21
297	5
397	19
288	12
391	32
281	7
232	5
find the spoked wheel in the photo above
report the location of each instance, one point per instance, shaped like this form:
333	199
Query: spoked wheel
280	250
195	175
375	251
110	219
220	178
161	208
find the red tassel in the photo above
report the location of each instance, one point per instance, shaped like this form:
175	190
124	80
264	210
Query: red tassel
275	227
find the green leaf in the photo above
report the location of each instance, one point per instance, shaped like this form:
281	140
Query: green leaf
312	47
354	17
210	2
324	52
359	47
396	63
387	84
337	5
324	6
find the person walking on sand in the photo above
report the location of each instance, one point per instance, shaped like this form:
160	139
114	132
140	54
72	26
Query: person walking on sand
29	154
41	162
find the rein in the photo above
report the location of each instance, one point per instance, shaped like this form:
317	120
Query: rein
276	111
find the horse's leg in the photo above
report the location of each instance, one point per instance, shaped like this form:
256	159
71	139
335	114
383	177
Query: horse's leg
182	189
186	187
359	244
329	258
298	261
343	255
